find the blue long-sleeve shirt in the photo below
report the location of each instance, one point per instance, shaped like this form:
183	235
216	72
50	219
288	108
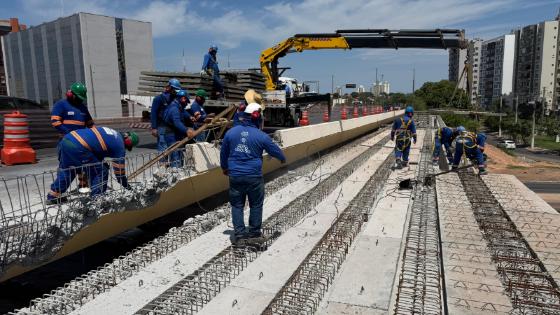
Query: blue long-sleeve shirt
174	116
242	150
446	135
404	127
104	143
192	112
481	140
210	63
66	117
158	107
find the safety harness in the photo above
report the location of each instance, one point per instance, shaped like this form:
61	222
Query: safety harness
403	135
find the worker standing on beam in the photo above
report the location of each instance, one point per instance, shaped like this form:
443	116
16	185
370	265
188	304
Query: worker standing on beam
241	159
174	116
444	137
159	104
83	151
472	146
404	129
71	113
195	112
210	67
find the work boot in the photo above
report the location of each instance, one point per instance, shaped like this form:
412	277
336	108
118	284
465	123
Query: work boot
482	171
435	162
398	164
404	163
56	201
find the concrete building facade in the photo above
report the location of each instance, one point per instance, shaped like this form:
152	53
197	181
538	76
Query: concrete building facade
7	26
106	53
475	56
381	87
496	69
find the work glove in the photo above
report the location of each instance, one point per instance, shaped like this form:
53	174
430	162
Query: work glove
154	133
225	172
202	72
283	161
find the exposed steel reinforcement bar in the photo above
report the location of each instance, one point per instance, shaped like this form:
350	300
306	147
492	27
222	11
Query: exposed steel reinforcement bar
194	291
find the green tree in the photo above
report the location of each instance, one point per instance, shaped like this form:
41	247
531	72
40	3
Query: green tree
439	94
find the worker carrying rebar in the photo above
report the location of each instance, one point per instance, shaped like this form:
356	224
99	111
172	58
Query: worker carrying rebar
159	104
197	115
404	129
472	146
210	67
83	151
174	117
444	137
241	159
71	113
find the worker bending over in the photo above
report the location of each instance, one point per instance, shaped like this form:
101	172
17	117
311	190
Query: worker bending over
159	104
241	159
472	145
402	132
444	137
84	150
176	130
210	67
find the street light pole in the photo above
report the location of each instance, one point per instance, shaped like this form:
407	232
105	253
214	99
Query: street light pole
500	125
516	106
533	128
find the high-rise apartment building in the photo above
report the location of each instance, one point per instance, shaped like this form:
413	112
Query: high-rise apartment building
6	27
496	69
536	67
106	53
457	59
475	56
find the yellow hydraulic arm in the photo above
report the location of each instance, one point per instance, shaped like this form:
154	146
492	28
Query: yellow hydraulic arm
348	39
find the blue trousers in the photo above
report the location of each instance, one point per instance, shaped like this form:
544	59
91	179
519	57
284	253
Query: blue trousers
75	159
437	148
161	142
402	148
471	154
241	189
176	157
218	86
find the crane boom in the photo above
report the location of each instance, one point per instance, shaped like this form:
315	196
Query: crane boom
365	38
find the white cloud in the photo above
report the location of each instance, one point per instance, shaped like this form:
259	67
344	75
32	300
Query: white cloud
168	17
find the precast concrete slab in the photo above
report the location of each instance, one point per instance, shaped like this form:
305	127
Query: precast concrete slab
472	283
537	221
269	273
216	241
366	279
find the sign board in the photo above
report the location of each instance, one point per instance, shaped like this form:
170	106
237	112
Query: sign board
274	99
350	85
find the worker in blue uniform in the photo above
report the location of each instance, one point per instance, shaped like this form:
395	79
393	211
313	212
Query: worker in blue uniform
197	115
71	113
210	67
174	117
241	159
159	104
83	151
472	146
445	137
404	129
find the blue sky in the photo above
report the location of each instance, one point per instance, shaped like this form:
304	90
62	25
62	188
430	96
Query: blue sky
243	28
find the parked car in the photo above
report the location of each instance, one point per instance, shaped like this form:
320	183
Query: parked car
507	144
41	132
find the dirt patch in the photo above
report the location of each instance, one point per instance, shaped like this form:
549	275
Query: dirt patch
503	163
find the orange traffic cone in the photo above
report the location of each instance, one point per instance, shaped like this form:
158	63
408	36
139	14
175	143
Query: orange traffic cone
343	115
304	121
326	115
355	112
17	149
364	110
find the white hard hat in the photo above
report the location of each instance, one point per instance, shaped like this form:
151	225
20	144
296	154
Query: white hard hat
253	107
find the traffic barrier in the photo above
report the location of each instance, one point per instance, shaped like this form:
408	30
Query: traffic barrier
343	114
17	149
364	110
355	112
326	115
304	121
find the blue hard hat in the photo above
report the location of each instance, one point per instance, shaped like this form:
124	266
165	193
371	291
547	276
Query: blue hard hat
461	129
409	110
182	93
174	83
214	48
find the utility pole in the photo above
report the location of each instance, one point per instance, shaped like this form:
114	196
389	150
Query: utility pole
184	62
516	106
500	124
533	128
413	78
543	101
